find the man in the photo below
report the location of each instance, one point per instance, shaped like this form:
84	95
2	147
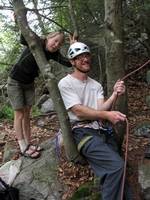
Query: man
84	100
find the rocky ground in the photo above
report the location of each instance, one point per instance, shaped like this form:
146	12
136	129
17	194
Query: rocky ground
47	126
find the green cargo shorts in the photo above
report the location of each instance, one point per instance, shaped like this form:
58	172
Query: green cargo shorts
20	95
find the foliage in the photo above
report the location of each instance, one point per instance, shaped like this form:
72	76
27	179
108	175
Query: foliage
87	192
35	111
136	18
61	14
9	46
6	112
88	14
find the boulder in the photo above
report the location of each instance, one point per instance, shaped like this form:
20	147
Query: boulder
144	179
37	178
142	129
148	77
47	106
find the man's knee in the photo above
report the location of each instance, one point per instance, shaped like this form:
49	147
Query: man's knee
118	164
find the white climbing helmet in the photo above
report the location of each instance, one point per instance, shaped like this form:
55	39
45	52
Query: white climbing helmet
76	49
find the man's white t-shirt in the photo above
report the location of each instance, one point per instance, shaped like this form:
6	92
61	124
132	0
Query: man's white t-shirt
75	91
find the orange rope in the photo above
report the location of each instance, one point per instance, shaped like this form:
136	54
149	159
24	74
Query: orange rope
125	159
126	76
127	130
129	74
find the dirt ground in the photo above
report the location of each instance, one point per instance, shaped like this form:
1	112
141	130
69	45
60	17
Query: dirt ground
74	176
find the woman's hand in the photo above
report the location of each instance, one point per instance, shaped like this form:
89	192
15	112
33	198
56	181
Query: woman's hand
73	38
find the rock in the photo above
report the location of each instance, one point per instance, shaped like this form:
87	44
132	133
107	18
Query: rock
147	151
9	171
41	122
42	100
148	77
148	100
146	194
47	106
142	129
38	177
2	135
9	152
144	179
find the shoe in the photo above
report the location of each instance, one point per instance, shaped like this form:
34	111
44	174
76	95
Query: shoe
30	153
35	147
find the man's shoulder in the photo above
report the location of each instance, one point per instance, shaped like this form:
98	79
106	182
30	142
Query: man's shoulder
93	81
64	80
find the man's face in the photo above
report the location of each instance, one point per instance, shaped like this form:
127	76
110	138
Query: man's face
82	62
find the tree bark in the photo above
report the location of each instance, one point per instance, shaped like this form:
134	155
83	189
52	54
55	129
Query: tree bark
73	19
115	61
44	66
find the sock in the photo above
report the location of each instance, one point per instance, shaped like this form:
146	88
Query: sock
26	141
22	145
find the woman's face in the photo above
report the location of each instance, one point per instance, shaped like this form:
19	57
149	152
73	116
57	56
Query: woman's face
54	43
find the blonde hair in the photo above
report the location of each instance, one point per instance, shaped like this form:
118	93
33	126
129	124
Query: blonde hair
53	34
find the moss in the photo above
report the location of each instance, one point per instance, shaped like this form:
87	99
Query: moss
86	191
49	175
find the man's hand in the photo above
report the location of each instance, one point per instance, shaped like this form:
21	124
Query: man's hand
119	88
115	116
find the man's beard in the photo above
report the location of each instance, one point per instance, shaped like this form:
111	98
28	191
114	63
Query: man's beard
82	70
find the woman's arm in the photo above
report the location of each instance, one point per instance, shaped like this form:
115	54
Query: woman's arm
63	60
22	40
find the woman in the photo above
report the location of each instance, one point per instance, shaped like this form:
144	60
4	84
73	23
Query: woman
21	89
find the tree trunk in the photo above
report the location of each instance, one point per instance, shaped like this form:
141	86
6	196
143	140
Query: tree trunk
146	19
114	49
44	66
72	17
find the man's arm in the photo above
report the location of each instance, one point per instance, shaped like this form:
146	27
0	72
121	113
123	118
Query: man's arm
74	104
86	113
119	89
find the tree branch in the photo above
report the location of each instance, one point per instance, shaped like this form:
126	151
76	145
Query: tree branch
64	29
6	8
73	19
8	64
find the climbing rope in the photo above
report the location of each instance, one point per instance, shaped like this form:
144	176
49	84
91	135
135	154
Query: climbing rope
125	159
129	74
127	130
